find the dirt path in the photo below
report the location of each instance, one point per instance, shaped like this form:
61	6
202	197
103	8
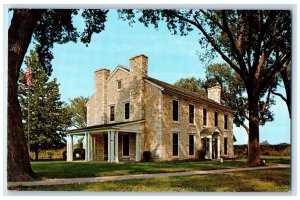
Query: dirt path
64	181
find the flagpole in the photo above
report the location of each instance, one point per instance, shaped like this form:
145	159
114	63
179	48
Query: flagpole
28	140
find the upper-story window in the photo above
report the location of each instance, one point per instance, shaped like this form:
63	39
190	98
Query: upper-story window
175	110
225	122
119	85
204	117
191	113
112	113
127	110
216	118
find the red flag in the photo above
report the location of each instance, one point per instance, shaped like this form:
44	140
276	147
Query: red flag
28	76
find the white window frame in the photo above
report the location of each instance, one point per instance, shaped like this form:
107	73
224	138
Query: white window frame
125	110
215	118
178	110
194	141
178	142
194	114
114	112
119	81
227	122
205	125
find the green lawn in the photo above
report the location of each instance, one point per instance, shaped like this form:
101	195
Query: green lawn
250	181
61	169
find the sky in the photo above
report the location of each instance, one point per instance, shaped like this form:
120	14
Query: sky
170	58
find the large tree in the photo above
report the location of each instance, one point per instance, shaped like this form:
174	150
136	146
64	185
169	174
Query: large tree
255	43
47	27
78	111
44	115
192	84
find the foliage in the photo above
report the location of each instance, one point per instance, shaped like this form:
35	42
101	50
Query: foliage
46	27
48	118
192	84
78	110
147	156
256	44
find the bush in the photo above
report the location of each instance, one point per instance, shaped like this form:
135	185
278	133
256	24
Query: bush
147	156
201	154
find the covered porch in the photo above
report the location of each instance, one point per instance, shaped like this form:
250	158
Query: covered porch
211	142
109	142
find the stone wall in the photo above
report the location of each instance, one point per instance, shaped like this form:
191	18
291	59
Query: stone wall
184	128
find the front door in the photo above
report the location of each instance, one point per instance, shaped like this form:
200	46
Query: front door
215	148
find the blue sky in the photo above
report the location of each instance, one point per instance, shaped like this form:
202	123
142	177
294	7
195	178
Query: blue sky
171	57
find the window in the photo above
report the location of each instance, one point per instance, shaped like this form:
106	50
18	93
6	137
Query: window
216	118
112	113
225	122
125	145
225	146
175	144
191	145
191	114
127	106
204	117
175	110
119	85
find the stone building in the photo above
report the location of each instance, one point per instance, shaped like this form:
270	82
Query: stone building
130	113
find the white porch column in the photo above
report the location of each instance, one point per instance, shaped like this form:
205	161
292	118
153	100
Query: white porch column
71	148
68	147
112	146
86	146
90	147
108	147
210	148
116	146
218	144
137	147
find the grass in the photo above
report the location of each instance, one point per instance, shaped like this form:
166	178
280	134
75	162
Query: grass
61	169
250	181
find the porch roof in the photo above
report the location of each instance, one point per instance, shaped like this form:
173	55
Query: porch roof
210	130
106	127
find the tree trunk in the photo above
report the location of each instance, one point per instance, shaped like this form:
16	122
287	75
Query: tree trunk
36	153
253	136
19	37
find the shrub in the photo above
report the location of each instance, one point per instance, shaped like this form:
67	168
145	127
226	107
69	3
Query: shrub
201	154
147	156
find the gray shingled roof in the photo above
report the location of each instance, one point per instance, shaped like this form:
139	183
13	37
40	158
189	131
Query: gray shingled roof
168	88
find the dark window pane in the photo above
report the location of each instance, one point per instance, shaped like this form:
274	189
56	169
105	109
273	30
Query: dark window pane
204	117
175	110
125	145
191	114
226	122
112	113
119	85
127	105
225	146
191	145
175	144
216	118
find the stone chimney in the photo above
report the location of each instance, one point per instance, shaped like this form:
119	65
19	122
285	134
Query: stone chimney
100	78
139	66
214	93
139	71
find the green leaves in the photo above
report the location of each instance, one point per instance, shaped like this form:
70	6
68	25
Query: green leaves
48	116
78	111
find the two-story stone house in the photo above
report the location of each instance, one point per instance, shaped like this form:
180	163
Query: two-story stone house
130	113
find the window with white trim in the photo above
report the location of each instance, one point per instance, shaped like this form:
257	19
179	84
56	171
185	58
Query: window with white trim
112	113
127	110
119	84
204	117
175	144
191	145
175	110
191	113
225	122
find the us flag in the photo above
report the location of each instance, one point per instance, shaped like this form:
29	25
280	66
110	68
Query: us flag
28	75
